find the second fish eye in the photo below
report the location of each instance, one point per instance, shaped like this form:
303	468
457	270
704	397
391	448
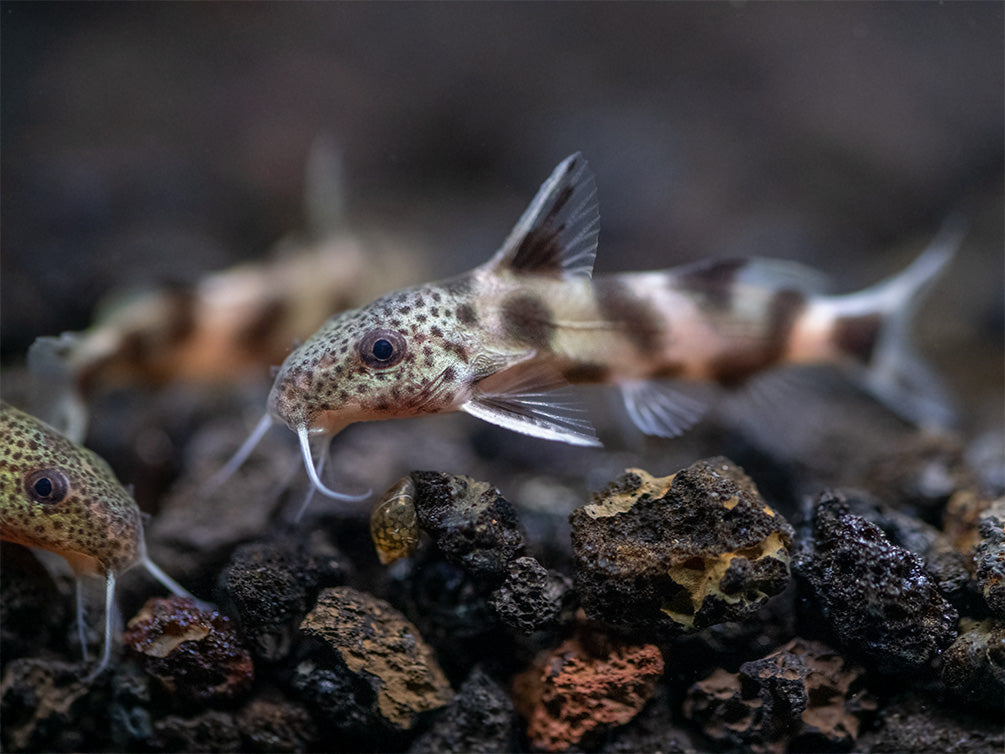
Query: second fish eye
382	348
47	486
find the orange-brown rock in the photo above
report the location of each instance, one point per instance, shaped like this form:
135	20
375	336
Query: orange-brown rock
581	689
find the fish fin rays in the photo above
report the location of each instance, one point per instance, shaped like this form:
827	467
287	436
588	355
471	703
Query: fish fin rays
532	400
324	188
558	232
56	392
894	374
664	409
911	389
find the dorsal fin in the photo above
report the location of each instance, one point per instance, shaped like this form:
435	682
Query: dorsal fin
557	234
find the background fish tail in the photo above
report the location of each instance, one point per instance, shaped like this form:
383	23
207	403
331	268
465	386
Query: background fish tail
875	331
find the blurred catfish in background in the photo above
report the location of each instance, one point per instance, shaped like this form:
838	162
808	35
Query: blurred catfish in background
229	324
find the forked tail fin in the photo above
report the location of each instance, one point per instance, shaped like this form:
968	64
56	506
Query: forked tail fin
873	327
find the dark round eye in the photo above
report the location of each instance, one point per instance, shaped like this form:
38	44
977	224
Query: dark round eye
47	486
380	349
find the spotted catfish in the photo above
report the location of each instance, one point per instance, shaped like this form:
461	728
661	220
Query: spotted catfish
498	340
58	496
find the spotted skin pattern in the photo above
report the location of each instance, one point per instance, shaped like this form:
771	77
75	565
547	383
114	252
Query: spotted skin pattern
494	341
61	497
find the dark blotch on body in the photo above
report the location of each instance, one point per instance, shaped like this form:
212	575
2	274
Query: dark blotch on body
857	336
714	282
466	315
528	319
732	368
641	322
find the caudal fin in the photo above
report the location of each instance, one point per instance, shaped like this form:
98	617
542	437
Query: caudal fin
873	327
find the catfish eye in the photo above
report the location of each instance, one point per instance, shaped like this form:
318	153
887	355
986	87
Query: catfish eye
380	349
47	486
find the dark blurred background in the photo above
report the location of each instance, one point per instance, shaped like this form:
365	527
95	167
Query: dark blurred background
146	143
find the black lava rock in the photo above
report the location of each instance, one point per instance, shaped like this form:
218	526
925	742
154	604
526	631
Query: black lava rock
917	723
679	553
272	584
473	525
28	597
877	599
803	697
213	730
481	718
946	564
974	665
344	700
989	557
531	597
45	706
276	725
451	608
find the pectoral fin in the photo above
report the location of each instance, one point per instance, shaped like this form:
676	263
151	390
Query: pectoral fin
533	400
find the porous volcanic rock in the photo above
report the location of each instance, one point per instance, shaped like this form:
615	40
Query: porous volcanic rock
276	725
531	597
877	599
804	696
212	730
480	719
272	584
472	524
946	564
989	557
383	664
41	702
194	652
655	729
919	724
28	597
679	553
974	665
582	688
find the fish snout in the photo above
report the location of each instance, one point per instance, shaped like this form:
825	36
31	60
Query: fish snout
289	397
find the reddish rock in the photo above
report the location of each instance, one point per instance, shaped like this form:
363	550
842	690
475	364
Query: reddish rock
193	652
580	690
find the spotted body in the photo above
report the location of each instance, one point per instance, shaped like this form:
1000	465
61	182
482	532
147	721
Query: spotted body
495	341
61	497
58	496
